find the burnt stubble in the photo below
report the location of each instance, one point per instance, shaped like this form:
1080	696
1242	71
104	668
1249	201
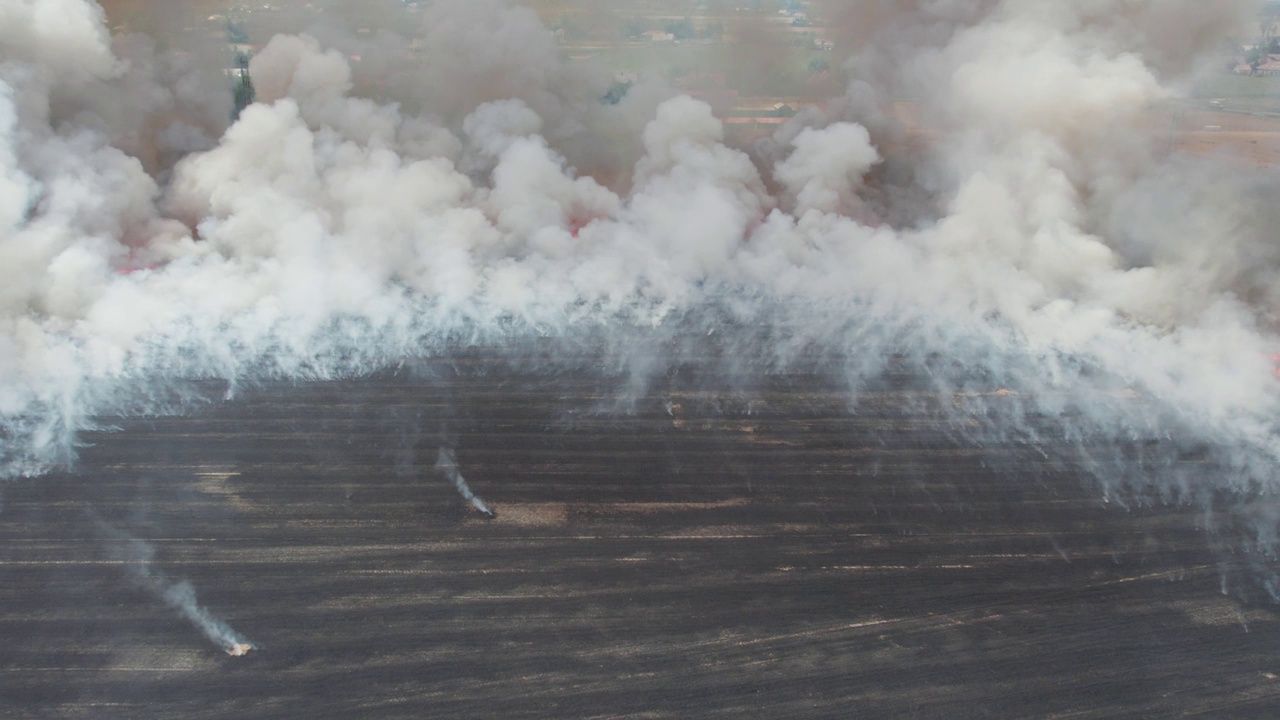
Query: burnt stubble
697	551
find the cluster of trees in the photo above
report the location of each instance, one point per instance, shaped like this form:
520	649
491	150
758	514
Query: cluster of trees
235	33
243	89
617	91
1256	50
1268	43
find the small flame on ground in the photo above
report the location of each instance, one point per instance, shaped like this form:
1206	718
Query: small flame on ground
239	649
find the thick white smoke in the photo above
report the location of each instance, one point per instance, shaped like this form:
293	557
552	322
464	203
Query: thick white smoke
1041	242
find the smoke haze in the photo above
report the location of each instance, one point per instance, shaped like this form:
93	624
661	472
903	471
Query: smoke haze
1040	240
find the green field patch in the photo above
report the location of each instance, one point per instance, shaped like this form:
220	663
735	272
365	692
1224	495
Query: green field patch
1226	85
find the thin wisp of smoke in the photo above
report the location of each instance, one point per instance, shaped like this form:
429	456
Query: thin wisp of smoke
179	595
1041	242
447	463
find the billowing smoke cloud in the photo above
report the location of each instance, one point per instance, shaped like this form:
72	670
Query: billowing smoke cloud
1040	241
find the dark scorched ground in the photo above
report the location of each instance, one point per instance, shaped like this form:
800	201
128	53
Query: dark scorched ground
696	553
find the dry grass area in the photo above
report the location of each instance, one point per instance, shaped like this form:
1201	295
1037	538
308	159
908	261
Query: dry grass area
1251	139
1252	148
1247	138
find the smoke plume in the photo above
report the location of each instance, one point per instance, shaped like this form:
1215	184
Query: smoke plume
1036	235
448	464
180	595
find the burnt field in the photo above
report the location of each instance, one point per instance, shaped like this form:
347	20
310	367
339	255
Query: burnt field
691	552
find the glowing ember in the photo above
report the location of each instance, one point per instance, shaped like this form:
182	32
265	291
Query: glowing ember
239	649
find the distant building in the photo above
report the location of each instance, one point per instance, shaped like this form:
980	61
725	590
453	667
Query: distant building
1269	66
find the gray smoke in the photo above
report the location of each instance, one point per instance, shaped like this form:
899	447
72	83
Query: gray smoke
1035	237
448	464
179	595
